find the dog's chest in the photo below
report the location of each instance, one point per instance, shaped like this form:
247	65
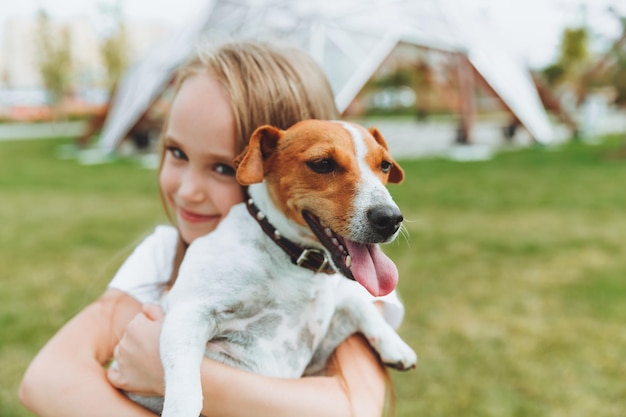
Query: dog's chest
269	315
274	336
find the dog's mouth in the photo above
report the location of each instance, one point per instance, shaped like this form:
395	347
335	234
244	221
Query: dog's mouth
364	263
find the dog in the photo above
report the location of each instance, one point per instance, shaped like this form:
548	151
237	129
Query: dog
258	292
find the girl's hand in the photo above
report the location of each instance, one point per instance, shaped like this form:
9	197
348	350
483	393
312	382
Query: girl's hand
139	369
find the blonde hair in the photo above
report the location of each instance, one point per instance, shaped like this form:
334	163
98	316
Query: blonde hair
267	84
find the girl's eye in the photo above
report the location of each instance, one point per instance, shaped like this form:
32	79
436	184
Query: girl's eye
177	153
224	169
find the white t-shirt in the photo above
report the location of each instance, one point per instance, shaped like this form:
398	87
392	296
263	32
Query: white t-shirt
147	270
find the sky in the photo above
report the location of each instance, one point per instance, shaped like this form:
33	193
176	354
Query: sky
531	27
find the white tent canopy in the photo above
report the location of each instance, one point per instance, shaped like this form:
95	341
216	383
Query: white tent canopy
349	38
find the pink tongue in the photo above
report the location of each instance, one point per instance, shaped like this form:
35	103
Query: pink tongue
372	268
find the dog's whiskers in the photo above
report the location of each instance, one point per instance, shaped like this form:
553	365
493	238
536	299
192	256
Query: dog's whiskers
404	232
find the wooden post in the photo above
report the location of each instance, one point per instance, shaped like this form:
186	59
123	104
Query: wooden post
467	99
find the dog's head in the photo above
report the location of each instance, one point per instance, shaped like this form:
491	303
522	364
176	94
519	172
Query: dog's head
330	178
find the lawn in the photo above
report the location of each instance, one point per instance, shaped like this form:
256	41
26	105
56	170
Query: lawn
512	272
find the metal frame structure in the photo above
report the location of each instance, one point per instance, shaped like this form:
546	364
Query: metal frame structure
350	39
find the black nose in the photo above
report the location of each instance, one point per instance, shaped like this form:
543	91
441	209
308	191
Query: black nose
386	220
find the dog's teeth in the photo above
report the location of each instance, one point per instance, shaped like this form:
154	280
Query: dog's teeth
348	261
335	241
329	232
342	249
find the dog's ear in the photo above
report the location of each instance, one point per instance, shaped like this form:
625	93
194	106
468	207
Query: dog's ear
250	164
396	175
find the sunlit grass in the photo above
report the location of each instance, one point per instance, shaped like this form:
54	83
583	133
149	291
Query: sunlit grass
65	230
514	285
512	273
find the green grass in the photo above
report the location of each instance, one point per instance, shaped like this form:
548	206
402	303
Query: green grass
513	272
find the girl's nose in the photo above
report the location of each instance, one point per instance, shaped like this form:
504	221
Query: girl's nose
192	187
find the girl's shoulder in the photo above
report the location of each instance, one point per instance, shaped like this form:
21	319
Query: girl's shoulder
147	270
165	234
158	245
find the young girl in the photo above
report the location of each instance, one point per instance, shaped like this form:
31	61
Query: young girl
222	96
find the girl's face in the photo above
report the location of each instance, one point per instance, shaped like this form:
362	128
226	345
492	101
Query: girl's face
198	176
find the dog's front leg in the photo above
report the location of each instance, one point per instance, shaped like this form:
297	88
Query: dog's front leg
362	316
186	330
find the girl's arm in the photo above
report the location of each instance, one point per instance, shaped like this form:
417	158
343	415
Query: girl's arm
355	385
67	377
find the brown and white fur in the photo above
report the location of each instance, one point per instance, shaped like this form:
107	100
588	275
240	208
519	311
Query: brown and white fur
240	300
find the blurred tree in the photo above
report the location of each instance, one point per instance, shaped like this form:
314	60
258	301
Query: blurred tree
619	79
54	57
572	62
574	48
422	85
400	77
553	74
610	69
114	46
618	51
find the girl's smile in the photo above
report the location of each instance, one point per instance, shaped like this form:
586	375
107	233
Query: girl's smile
191	217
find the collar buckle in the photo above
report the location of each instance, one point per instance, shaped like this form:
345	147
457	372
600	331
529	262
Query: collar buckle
304	256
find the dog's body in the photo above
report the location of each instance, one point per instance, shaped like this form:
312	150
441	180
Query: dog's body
322	186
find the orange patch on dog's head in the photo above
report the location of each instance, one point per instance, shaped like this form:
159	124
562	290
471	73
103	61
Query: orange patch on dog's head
378	155
312	166
319	177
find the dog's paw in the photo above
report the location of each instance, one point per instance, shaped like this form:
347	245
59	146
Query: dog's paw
405	365
395	353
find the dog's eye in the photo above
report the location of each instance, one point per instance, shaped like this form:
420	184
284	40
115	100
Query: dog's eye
322	166
385	166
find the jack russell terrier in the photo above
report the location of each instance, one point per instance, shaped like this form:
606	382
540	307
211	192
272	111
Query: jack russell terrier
257	292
